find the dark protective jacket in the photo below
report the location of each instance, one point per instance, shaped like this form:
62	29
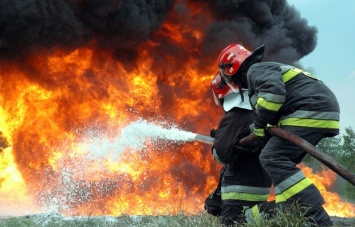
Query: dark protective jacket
303	105
287	96
244	181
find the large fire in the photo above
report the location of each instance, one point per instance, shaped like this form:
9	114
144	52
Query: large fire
53	104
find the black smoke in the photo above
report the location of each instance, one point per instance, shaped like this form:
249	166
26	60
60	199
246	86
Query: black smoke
30	25
286	35
120	26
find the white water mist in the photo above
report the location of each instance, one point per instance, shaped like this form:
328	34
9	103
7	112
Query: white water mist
134	137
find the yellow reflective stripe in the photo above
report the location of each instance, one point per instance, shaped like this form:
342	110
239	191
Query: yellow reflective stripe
293	190
312	123
244	196
259	132
246	189
290	74
268	105
297	177
280	198
245	193
293	72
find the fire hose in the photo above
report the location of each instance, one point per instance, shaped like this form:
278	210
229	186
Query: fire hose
303	144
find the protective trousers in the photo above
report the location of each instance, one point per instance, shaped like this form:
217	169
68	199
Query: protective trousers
279	158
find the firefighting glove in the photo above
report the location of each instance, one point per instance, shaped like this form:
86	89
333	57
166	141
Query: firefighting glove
258	144
259	132
262	138
213	133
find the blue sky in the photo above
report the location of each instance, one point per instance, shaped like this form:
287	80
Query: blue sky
333	59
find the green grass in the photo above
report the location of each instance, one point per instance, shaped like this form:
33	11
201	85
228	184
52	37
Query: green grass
129	221
289	218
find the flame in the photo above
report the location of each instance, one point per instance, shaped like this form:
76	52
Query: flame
54	105
333	202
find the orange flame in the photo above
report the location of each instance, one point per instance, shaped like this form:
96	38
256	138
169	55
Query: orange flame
333	203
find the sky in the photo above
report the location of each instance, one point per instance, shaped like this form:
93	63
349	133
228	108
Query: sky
333	59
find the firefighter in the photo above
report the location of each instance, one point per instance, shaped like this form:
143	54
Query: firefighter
243	181
298	102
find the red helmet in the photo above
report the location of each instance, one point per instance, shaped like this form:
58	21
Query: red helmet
220	89
231	58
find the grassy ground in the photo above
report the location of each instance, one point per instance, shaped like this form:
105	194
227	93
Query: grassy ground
291	219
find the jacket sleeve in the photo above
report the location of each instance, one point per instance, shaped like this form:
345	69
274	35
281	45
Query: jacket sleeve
266	91
233	126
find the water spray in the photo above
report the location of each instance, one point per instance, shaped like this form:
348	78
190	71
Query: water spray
136	136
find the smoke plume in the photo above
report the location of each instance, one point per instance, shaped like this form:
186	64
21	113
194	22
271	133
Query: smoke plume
30	25
119	26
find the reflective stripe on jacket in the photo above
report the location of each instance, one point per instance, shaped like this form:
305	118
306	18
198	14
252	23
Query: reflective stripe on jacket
284	95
